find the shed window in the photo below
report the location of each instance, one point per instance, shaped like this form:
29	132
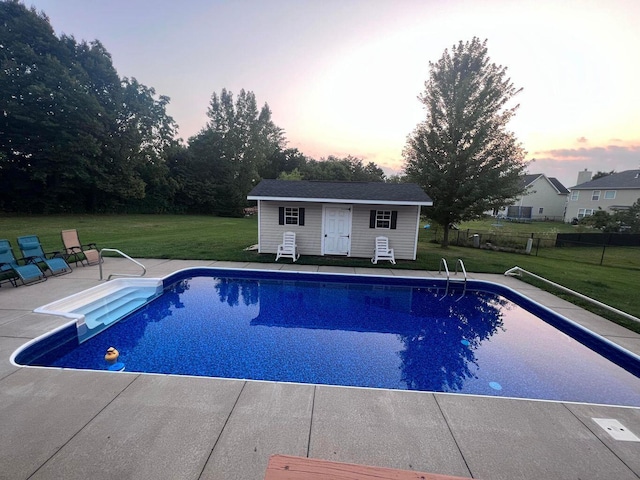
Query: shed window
291	216
383	219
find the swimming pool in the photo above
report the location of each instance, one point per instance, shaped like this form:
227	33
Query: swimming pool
379	332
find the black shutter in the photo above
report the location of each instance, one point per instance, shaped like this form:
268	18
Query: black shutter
281	216
372	219
394	219
301	217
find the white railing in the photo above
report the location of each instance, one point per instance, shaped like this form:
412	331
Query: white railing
517	271
144	270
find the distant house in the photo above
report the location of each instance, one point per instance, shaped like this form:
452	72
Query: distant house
339	218
617	191
545	198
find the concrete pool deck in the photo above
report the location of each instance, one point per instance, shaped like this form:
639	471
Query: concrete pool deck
69	424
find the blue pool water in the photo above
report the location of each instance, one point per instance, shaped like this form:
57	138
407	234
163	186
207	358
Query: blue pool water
398	333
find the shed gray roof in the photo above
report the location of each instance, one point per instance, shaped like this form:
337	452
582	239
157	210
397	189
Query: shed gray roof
339	192
629	179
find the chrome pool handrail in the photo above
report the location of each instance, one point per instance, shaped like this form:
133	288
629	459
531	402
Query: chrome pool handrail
464	271
144	270
515	271
443	262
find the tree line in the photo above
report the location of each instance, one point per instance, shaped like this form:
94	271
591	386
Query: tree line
76	137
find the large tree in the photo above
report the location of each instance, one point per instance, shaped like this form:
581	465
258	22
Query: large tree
231	150
46	118
348	169
73	135
462	154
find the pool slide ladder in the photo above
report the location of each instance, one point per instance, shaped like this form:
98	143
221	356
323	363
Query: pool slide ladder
459	263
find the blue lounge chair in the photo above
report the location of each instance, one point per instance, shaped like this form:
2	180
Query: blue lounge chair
32	252
9	267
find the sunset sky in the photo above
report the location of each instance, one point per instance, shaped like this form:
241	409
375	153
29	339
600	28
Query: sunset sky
342	77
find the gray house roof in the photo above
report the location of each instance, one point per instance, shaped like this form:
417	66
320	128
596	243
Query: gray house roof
629	179
530	178
561	188
340	192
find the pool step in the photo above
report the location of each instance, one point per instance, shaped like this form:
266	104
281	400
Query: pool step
110	313
100	307
102	313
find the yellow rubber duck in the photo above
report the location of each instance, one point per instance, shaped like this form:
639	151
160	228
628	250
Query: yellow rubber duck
111	356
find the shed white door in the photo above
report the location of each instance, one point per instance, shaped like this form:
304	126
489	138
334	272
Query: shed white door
337	230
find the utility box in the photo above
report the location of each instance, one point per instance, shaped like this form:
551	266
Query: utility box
476	240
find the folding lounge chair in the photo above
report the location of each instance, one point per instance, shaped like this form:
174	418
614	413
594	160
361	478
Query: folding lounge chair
382	251
77	252
28	274
32	252
288	248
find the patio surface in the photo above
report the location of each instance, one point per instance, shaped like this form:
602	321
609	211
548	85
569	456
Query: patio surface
69	424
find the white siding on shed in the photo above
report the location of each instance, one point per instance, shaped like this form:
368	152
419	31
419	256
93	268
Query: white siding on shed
309	236
402	239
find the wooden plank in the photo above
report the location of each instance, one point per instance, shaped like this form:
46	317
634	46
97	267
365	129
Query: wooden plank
286	467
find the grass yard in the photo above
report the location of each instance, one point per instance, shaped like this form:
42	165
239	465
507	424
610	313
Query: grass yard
214	238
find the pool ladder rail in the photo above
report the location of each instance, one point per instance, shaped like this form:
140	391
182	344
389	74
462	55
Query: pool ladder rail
144	270
459	263
517	272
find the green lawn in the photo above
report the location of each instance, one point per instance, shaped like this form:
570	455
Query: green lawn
213	238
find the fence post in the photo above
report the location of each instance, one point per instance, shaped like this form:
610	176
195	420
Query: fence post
604	247
537	246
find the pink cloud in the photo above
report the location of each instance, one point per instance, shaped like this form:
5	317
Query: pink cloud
565	163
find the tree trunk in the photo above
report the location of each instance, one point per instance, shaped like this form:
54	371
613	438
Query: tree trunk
445	236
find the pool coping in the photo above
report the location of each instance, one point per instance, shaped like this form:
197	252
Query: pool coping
50	431
65	308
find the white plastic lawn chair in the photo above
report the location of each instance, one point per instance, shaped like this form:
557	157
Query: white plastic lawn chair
382	251
288	248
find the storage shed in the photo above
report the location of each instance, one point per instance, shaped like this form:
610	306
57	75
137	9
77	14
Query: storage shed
339	218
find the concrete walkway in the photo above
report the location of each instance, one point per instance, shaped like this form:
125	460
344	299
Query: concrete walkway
69	424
